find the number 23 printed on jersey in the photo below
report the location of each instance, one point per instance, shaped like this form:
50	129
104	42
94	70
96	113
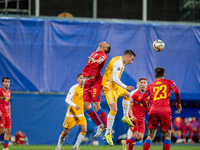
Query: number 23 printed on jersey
160	92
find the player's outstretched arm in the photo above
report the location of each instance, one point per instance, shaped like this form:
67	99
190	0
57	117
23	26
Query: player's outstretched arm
177	94
131	112
144	103
98	61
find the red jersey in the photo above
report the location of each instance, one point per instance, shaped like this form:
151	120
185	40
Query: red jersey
138	110
4	101
94	69
160	92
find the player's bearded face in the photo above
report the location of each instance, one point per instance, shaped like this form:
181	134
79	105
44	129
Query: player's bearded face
6	83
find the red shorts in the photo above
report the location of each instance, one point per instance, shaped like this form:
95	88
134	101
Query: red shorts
92	91
165	120
139	126
5	122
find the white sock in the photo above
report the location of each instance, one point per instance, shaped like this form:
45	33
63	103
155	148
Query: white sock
110	121
79	140
125	105
60	141
129	134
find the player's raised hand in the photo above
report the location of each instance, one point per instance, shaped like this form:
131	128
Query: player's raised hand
77	107
179	107
130	88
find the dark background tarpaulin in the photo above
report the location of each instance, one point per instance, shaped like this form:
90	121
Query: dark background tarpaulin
46	55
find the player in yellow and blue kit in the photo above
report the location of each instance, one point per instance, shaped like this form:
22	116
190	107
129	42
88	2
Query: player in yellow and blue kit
75	113
114	88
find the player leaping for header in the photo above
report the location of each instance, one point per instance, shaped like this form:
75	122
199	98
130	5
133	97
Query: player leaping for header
114	88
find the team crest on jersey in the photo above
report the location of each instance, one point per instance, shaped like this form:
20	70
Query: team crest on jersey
1	124
118	69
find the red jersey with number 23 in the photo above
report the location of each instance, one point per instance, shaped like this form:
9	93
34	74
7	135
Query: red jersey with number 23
94	69
138	110
4	101
160	92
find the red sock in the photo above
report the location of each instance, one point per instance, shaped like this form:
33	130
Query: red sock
131	144
5	143
147	144
94	117
128	140
167	144
103	116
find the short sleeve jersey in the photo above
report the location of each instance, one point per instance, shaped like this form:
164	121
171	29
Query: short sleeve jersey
94	69
138	110
76	96
4	101
160	92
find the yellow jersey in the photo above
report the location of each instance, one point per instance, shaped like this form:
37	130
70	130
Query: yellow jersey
75	97
115	66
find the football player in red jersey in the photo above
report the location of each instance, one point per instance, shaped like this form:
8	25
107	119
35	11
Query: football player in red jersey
160	110
92	87
5	121
137	113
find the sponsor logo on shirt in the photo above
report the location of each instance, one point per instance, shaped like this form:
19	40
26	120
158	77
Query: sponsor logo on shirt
158	83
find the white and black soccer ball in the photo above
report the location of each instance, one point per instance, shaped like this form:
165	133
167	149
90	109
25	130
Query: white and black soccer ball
158	45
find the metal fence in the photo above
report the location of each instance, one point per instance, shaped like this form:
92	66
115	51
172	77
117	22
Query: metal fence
161	10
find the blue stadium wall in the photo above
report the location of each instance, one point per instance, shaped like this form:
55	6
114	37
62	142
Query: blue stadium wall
46	56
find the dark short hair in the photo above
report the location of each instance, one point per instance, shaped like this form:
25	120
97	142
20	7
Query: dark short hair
5	78
129	52
108	49
143	78
79	75
159	72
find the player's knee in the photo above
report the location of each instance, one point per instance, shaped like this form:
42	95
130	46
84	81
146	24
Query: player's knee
139	138
86	107
84	131
96	106
66	131
126	96
7	131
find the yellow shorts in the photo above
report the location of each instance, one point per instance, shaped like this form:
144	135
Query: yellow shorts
113	92
69	122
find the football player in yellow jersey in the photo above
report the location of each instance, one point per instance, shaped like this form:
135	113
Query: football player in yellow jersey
114	88
75	113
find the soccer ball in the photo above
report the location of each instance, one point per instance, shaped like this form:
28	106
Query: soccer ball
158	45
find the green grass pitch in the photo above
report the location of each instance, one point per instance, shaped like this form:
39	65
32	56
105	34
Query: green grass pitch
104	147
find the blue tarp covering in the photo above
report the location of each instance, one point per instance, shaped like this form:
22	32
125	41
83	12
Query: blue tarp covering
40	117
46	55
